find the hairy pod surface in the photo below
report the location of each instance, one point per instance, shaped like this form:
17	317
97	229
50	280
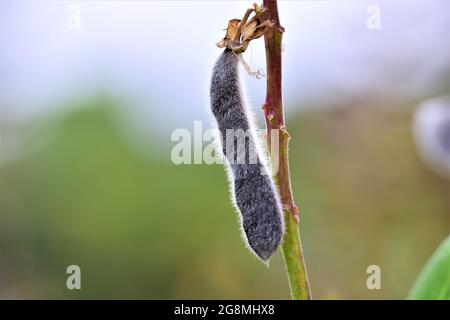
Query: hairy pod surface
251	184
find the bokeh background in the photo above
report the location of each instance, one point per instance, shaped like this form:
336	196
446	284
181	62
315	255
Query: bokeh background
92	90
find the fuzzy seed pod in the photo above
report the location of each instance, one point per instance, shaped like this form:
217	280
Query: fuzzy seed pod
251	184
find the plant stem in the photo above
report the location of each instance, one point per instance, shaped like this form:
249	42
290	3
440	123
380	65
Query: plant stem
274	115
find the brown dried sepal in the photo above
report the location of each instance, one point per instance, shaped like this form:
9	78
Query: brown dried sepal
241	32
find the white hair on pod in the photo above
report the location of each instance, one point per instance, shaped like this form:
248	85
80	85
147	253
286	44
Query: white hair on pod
252	189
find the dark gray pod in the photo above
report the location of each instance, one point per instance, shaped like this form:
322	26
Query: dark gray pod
253	189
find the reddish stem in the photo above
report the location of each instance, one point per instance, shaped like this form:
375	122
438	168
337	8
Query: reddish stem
274	116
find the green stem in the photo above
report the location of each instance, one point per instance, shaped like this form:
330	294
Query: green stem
293	259
274	115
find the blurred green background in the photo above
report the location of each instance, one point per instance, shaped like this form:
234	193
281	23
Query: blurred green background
142	227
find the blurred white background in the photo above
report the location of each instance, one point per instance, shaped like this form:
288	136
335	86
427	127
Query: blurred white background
163	50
